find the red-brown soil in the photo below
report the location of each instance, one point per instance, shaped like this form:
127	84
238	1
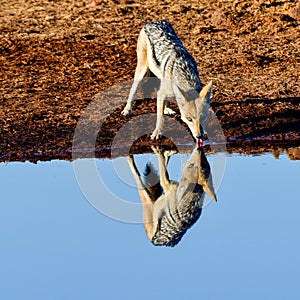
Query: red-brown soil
56	56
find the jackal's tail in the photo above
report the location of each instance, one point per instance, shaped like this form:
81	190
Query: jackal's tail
152	182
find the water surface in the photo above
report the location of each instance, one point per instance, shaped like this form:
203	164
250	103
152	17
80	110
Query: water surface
56	245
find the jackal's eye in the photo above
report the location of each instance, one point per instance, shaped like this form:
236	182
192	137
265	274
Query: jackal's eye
189	119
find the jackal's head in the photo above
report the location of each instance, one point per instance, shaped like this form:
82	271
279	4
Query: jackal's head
194	112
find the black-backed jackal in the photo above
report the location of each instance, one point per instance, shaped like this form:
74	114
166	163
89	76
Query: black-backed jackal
170	208
160	51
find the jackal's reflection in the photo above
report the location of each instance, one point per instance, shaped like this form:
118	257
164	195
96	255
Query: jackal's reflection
170	208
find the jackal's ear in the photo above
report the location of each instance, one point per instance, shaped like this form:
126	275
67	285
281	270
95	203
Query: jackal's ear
205	93
209	190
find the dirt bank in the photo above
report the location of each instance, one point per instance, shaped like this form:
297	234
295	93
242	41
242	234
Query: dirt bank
57	56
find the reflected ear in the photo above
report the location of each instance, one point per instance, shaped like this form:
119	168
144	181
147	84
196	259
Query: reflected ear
209	190
205	93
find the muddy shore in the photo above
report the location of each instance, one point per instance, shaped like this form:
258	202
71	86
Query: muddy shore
56	57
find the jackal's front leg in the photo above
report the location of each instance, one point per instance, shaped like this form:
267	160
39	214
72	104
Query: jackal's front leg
162	164
160	112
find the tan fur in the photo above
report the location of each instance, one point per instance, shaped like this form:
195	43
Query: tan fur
170	63
179	203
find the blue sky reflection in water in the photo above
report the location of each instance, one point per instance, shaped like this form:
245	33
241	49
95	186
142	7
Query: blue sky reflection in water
55	245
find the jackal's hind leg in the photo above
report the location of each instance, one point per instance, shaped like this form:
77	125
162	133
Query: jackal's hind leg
141	70
139	75
168	154
169	111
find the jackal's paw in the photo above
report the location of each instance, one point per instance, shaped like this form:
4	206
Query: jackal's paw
169	153
156	149
126	111
156	135
169	111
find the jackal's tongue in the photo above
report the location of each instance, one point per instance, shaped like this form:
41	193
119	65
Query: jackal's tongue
199	143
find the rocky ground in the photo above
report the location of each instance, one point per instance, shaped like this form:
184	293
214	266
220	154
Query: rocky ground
57	56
